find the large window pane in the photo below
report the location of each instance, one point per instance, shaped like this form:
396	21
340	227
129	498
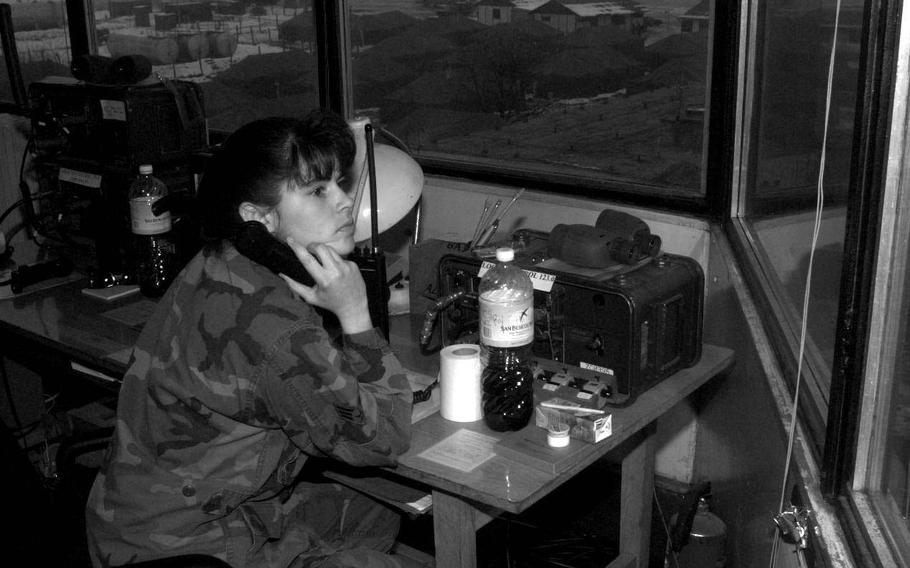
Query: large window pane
41	42
252	59
793	43
599	91
795	49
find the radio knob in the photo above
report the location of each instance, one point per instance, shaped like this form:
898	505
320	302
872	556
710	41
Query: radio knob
596	345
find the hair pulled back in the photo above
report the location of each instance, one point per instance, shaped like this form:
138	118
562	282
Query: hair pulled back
259	158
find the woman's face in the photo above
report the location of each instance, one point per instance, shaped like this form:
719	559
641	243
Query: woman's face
320	212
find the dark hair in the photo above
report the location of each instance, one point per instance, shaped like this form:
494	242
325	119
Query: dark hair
259	157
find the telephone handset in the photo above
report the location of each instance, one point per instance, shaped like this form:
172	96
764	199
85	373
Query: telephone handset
254	241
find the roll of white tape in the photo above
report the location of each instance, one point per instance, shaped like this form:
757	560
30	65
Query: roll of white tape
459	383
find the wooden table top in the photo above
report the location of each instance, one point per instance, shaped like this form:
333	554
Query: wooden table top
510	484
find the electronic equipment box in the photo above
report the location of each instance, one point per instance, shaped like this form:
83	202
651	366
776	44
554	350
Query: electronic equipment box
600	340
90	140
117	126
86	207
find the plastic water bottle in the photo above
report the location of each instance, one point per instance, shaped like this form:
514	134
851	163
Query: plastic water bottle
507	333
153	243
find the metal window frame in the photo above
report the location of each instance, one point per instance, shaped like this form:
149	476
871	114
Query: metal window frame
876	91
890	283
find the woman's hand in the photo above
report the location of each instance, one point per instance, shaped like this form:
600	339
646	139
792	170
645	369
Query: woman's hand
339	286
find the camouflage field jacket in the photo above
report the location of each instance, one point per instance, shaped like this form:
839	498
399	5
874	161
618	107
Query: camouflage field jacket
232	384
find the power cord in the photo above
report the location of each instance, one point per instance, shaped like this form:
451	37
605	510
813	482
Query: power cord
668	550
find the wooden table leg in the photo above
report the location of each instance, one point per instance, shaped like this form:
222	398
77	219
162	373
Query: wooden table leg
636	494
455	524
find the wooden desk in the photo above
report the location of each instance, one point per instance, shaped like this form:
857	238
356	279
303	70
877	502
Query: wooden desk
57	327
63	324
465	501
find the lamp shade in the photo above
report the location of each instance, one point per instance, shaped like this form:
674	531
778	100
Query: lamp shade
399	183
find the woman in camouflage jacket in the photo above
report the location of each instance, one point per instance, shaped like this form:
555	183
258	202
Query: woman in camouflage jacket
234	381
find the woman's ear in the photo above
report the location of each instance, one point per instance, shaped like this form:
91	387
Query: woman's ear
251	212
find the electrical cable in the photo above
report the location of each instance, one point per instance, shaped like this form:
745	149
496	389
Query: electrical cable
31	218
26	198
20	202
669	552
819	206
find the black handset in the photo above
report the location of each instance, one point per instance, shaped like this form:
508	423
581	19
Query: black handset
254	241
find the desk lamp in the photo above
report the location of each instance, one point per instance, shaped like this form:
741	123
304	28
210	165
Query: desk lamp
387	185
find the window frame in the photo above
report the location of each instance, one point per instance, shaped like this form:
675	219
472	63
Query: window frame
782	321
856	478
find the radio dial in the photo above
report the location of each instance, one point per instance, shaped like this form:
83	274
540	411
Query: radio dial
596	345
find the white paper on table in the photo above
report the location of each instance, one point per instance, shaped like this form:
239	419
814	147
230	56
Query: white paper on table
464	450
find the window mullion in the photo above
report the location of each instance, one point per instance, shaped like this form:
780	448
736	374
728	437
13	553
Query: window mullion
330	18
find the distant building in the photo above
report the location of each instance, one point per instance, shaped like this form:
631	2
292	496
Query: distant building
492	12
696	18
565	16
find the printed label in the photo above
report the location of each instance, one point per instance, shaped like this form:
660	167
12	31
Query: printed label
506	324
541	281
597	368
113	110
79	178
144	221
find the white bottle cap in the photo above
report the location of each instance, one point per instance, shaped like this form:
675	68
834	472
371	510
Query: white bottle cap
505	254
145	169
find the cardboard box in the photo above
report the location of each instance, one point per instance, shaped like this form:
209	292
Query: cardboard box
590	428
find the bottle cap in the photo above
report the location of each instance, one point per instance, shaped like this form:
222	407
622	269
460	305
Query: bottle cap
505	254
145	169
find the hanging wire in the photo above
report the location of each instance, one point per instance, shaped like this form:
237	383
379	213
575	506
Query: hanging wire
819	207
668	549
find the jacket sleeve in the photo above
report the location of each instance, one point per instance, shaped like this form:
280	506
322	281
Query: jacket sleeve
353	404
